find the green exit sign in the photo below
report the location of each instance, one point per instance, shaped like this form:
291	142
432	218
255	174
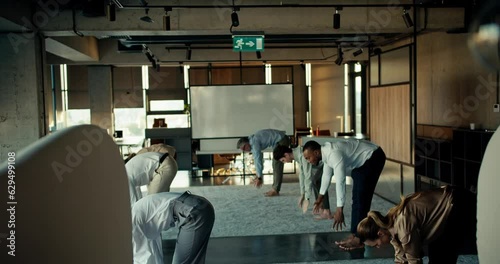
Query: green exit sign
248	43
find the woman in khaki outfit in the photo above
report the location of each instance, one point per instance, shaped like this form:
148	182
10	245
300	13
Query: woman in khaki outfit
442	218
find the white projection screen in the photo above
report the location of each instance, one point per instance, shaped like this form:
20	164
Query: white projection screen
240	110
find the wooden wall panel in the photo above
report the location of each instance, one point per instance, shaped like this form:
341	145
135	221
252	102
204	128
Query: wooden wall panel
300	102
254	75
453	89
198	76
282	75
327	96
390	121
226	76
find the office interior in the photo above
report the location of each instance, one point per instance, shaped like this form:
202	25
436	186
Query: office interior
410	76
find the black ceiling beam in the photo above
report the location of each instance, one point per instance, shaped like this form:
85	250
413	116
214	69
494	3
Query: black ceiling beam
424	5
269	39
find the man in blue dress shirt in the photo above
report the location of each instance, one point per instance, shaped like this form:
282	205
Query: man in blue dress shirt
256	143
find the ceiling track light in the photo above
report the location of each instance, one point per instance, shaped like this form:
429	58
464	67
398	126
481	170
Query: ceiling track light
111	11
407	18
340	56
336	18
357	53
166	19
235	21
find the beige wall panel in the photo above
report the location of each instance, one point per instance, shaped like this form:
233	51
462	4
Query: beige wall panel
327	96
424	83
460	90
126	78
390	121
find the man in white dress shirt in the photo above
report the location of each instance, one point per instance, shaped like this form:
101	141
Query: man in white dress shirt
193	215
309	178
154	169
363	161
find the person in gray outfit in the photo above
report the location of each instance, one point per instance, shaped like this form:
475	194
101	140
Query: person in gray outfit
193	215
256	143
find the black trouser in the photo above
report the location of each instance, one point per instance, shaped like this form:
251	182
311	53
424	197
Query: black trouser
365	179
278	166
459	235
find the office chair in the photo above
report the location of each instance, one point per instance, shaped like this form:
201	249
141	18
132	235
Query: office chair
71	200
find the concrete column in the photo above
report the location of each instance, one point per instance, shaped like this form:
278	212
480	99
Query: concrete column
21	92
101	96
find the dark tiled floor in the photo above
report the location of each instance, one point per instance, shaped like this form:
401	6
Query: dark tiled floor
281	249
302	248
270	248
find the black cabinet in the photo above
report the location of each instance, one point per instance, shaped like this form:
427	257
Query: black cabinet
433	162
456	162
469	147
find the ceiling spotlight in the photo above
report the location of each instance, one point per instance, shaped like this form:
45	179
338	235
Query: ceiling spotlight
340	56
407	18
188	53
357	53
259	55
146	18
111	11
336	18
166	19
234	19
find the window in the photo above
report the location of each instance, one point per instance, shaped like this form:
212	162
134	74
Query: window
172	121
131	121
77	117
166	105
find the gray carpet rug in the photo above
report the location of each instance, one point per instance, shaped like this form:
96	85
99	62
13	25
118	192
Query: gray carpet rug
245	211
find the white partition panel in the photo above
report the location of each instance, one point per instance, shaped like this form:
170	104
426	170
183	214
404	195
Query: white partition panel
240	110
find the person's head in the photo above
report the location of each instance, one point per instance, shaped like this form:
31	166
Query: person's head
373	230
312	152
283	154
244	144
